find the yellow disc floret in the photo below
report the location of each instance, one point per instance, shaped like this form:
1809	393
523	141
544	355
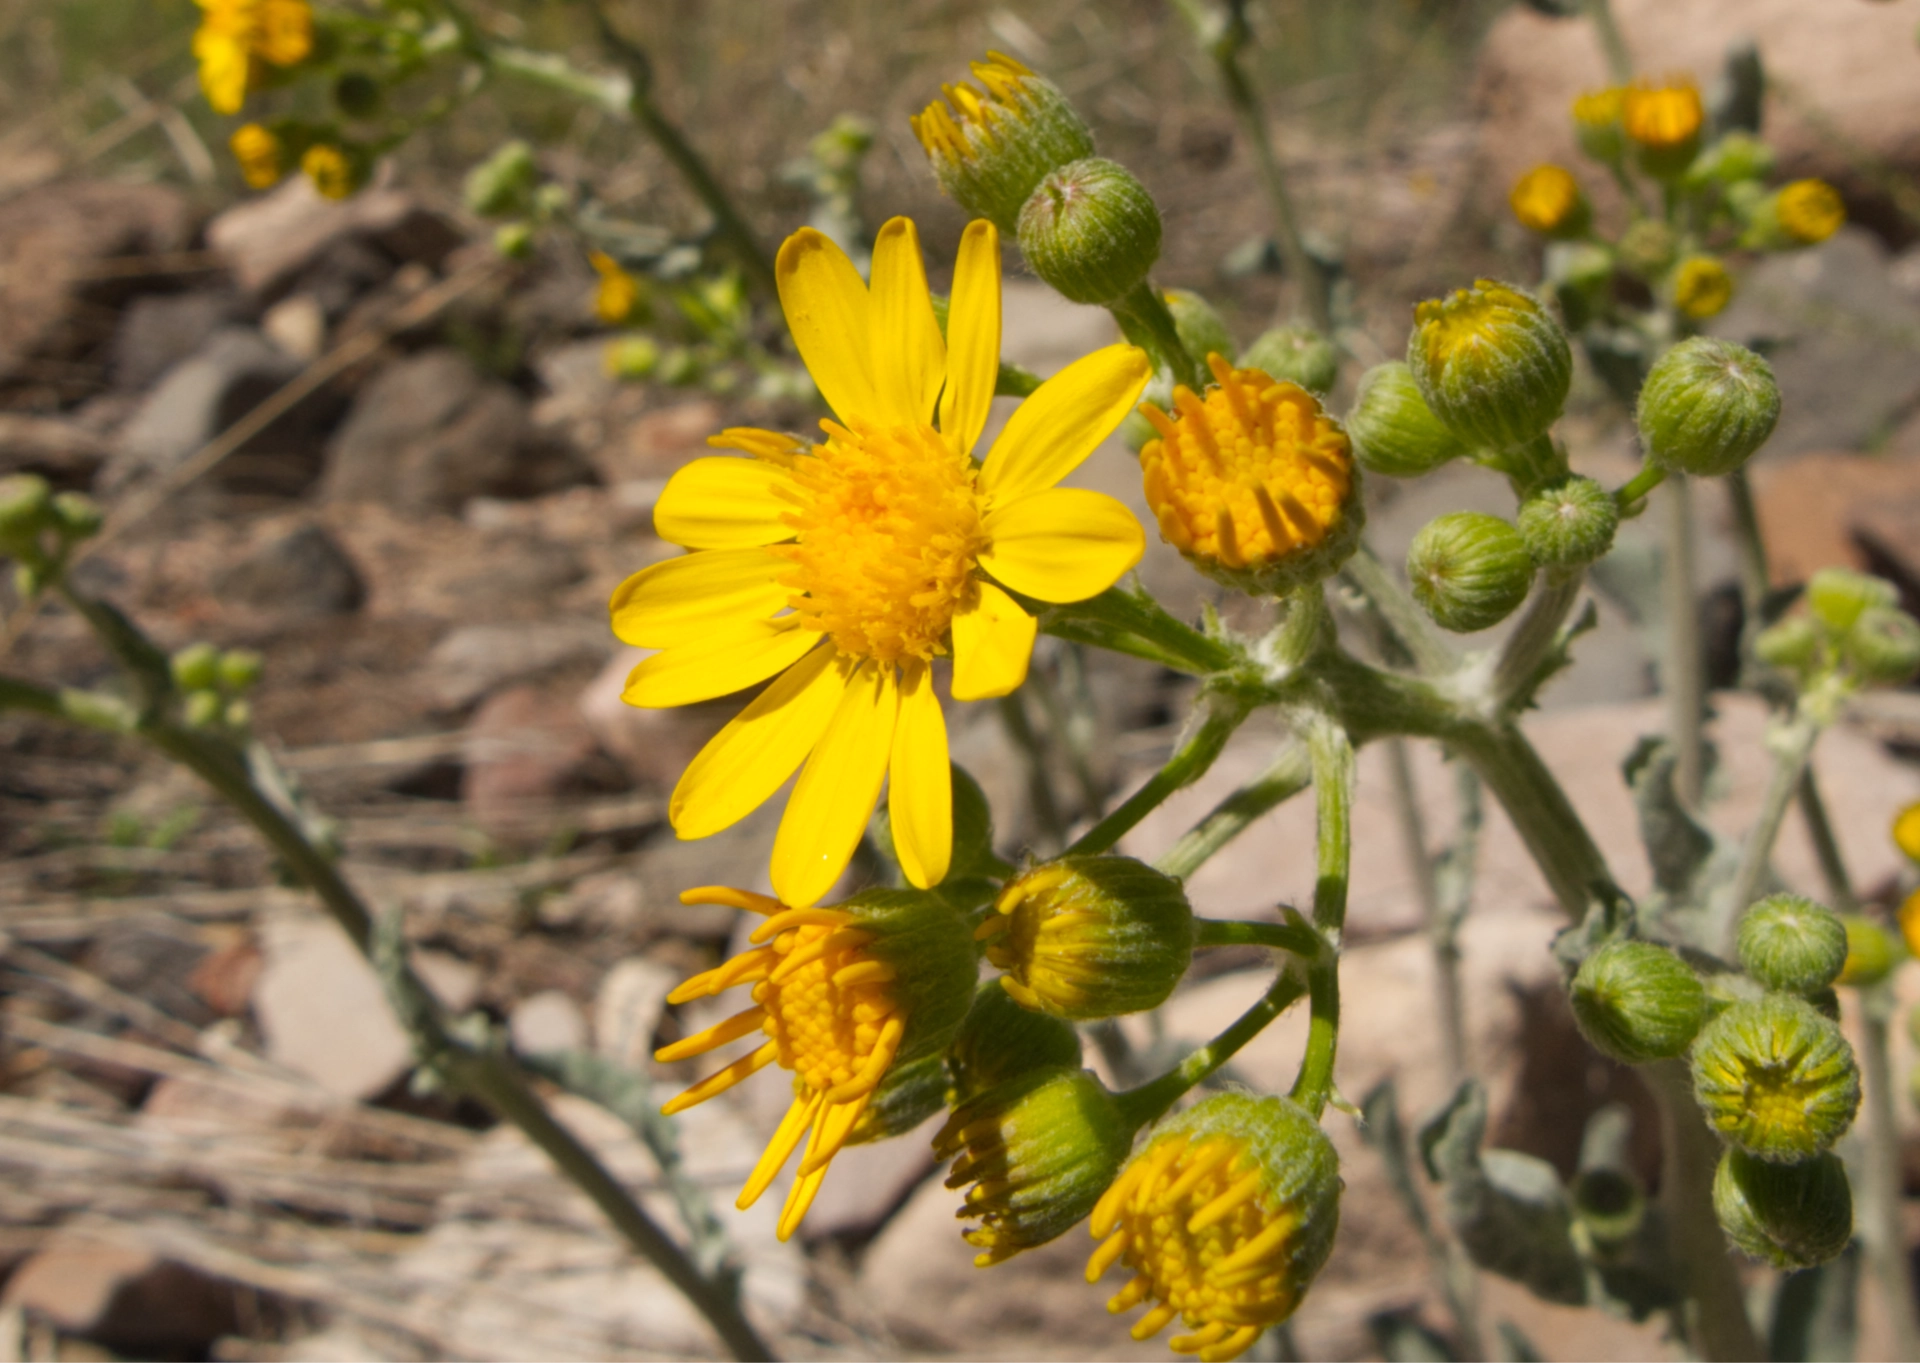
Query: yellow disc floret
1252	477
1810	210
1547	199
888	527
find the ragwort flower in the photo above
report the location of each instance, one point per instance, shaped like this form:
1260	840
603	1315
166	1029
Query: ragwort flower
842	570
236	35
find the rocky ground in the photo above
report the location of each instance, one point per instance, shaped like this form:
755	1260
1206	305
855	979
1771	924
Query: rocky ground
209	1142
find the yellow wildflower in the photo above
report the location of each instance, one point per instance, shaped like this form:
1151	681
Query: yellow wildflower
331	169
1596	122
843	569
1810	210
1906	831
235	35
618	294
258	151
1702	288
1547	199
1664	122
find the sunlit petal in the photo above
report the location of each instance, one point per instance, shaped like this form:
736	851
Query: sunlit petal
723	503
992	644
722	662
1052	432
973	336
1064	544
837	790
920	783
684	598
830	316
909	358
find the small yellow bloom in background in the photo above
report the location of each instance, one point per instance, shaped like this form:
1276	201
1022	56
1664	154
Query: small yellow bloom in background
1596	122
332	171
843	569
1702	288
1254	484
1906	831
258	152
235	34
618	295
1547	199
1225	1216
1810	211
840	994
1909	918
1664	122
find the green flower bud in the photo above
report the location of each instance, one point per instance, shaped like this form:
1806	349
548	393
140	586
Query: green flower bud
1570	523
1737	156
240	670
1792	944
550	199
1839	596
1491	363
1776	1078
1201	329
1883	647
504	182
1648	248
1707	405
77	516
1091	231
1791	644
202	709
238	715
909	1095
1870	951
1001	1040
632	357
1298	355
1788	1215
197	667
1035	1154
28	580
26	508
1637	1001
357	95
1393	430
989	150
1469	570
1090	937
1224	1216
513	240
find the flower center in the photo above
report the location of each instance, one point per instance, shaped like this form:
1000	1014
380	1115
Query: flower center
827	1013
888	527
1251	474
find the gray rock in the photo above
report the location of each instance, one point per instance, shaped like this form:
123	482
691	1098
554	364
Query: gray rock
63	452
430	432
301	574
476	660
653	745
524	749
626	1011
547	1021
124	1296
269	242
158	328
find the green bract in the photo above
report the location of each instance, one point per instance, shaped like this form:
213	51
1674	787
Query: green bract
1776	1078
1001	1040
1788	1215
1792	944
1297	354
1570	523
1393	430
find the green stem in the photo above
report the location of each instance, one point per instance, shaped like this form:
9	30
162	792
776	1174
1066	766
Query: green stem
1792	749
1517	673
1612	42
1541	813
1441	941
1637	487
1144	319
1398	611
1196	753
1826	847
1287	936
1884	1234
1755	579
1136	624
1141	1105
1333	777
1684	675
1285	777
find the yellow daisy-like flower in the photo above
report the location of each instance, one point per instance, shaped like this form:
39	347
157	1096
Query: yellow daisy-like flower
1810	211
842	570
618	294
235	35
1664	122
1702	288
839	994
258	152
1547	200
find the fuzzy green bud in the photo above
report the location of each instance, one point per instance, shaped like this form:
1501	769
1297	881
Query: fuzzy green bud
26	508
240	670
1648	248
202	709
1035	1154
1491	363
1870	951
1637	1001
1838	597
1883	647
1776	1078
1469	570
1091	231
1570	523
1792	944
632	357
77	516
1091	937
1707	406
1200	328
1737	156
196	667
1001	1040
990	148
908	1095
1393	430
238	715
513	240
1791	644
1791	1216
1298	355
504	182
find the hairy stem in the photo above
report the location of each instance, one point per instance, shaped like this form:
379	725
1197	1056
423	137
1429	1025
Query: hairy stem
1284	936
1144	319
1684	675
1333	779
1441	940
1402	617
1516	674
1190	761
1285	777
1792	750
1143	1104
1826	847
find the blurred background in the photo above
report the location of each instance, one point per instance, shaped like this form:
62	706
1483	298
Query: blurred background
214	1142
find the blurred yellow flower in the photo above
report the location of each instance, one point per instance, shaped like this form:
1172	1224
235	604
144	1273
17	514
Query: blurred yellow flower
618	294
332	171
1906	831
1702	288
234	35
258	152
1810	210
843	569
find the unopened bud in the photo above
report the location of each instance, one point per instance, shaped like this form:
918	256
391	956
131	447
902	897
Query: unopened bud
1906	831
1648	247
1469	571
990	148
77	516
26	509
1702	288
1776	1078
1707	406
196	667
1664	123
336	171
1596	123
1637	1001
1870	952
1883	647
1803	213
1569	523
202	709
1491	364
257	151
1791	1216
513	240
1393	430
1792	944
1202	331
1091	231
1838	597
504	182
908	1095
1737	157
1547	199
632	357
1296	355
1791	644
240	670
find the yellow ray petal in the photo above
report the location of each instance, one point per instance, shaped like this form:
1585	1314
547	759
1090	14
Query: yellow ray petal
909	358
722	1080
973	336
837	789
792	1127
774	445
831	1131
1054	430
804	1190
723	503
1063	544
830	316
752	757
992	644
724	661
920	783
686	598
714	1037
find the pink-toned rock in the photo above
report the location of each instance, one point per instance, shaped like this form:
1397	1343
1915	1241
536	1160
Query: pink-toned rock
524	749
1817	510
659	442
124	1296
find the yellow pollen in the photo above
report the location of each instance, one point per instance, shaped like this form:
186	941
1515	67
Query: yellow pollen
888	529
1188	1220
1662	117
1253	473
